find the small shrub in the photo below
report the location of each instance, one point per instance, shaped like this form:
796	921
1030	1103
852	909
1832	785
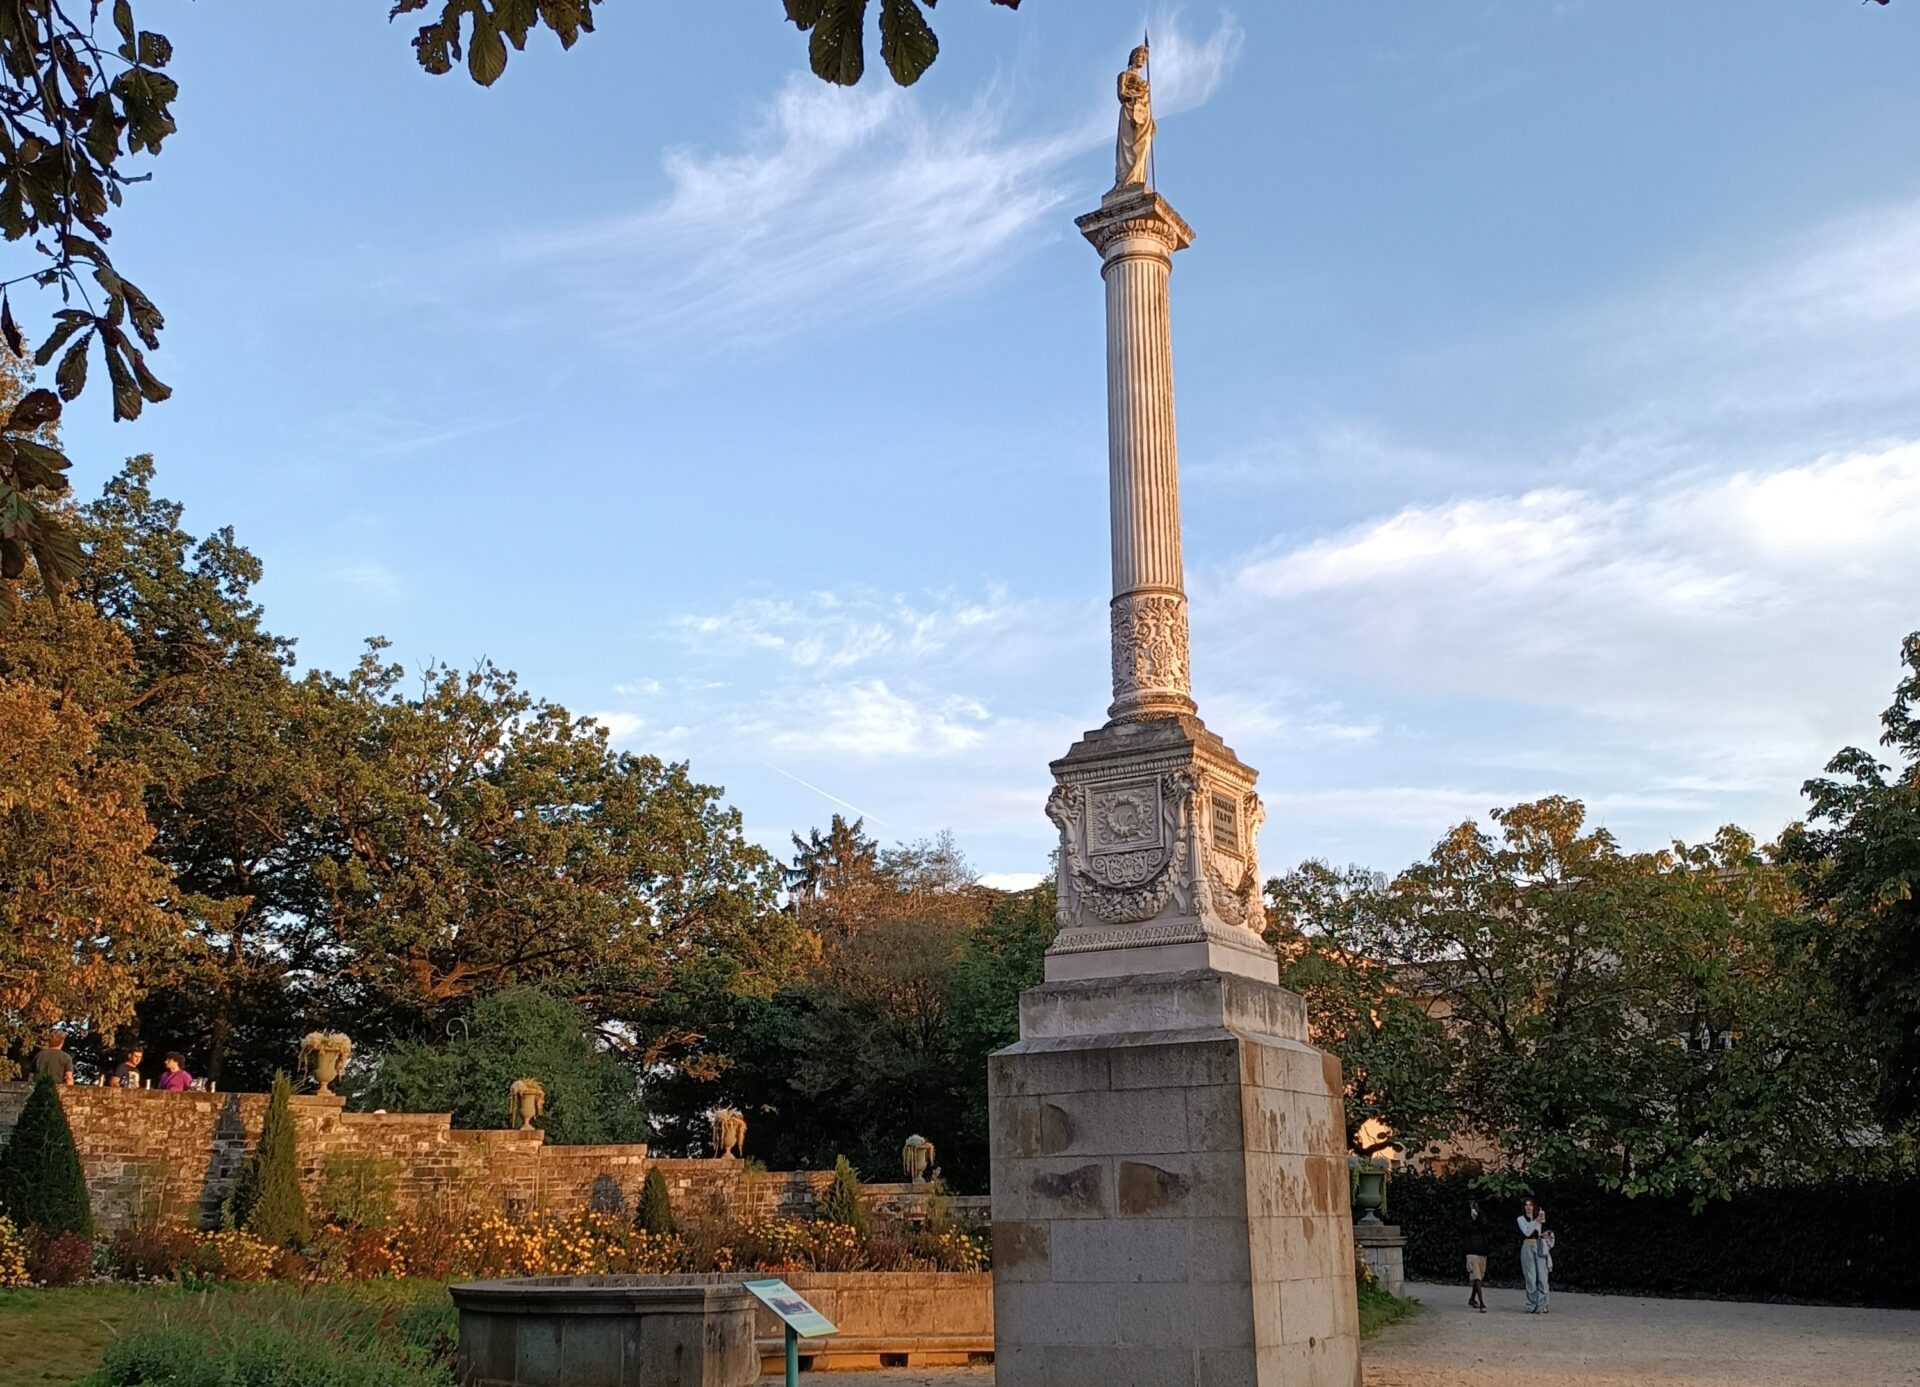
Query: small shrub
356	1254
13	1255
234	1255
58	1259
359	1191
41	1182
656	1207
429	1247
148	1253
267	1200
842	1203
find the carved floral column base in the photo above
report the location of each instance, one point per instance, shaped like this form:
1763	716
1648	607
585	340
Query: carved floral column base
1158	822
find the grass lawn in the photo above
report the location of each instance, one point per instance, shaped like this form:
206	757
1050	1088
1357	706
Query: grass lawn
1378	1310
58	1336
49	1338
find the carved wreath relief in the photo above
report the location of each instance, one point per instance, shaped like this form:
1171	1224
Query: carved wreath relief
1150	645
1131	848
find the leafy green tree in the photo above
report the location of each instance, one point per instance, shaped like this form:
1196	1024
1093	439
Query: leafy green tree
41	1182
656	1206
842	1202
1001	959
1650	1020
266	1198
861	1043
517	1033
214	718
1394	1056
1858	861
474	838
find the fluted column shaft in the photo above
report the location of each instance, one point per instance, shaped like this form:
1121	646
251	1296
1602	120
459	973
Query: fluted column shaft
1136	234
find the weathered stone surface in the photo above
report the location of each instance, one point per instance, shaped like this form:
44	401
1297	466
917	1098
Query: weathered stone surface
1172	1234
1384	1249
605	1331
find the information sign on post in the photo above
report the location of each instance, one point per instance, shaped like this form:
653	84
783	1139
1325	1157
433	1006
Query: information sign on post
800	1318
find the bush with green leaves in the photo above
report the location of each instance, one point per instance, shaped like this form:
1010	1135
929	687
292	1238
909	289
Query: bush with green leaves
41	1183
520	1032
842	1202
266	1199
656	1208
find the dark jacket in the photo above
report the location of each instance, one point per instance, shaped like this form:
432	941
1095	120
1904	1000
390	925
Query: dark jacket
1473	1233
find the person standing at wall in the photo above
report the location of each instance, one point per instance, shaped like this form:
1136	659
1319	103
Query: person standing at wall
1533	1256
52	1061
1474	1239
126	1074
176	1079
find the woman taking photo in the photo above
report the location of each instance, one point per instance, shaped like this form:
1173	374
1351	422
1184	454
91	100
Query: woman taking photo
1533	1256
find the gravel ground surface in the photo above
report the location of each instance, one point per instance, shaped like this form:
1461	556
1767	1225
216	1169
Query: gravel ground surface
1614	1341
1596	1341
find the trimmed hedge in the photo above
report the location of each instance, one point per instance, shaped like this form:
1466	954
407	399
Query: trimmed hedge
1838	1244
41	1183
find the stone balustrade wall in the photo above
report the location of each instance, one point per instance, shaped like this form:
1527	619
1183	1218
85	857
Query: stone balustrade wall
171	1157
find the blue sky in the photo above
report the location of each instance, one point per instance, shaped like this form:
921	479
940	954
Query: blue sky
1548	380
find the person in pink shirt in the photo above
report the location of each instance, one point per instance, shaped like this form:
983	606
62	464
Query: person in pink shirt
176	1079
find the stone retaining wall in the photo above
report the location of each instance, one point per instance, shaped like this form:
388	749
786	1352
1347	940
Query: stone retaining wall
170	1158
885	1318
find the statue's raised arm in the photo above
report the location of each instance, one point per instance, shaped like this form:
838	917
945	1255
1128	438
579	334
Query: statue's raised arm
1135	144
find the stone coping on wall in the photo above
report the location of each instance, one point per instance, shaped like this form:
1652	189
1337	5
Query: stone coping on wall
885	1318
153	1156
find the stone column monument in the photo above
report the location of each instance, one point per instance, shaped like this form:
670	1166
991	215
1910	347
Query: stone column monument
1169	1171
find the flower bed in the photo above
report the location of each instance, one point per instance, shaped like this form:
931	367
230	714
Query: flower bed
488	1245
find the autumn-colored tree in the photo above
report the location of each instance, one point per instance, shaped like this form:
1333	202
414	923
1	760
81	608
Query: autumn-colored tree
84	924
220	728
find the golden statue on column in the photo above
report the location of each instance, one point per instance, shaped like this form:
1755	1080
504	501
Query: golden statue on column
1134	147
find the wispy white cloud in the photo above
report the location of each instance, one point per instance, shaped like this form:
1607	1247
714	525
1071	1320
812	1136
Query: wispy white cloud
1720	628
831	631
867	719
370	575
839	203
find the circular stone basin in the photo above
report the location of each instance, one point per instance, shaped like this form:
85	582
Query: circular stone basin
604	1331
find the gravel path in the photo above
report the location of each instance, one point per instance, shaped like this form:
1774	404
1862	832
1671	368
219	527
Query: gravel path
1618	1341
1595	1341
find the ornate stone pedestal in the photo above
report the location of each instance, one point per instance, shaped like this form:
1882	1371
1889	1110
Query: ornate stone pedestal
1384	1249
1169	1190
1158	872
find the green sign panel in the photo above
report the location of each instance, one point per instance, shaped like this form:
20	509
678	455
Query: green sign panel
792	1308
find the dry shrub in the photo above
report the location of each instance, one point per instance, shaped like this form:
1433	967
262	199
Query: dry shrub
58	1259
151	1253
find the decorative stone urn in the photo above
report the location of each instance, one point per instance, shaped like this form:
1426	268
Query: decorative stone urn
526	1100
1369	1188
324	1054
916	1158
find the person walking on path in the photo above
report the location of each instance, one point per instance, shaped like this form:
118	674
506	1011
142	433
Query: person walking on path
1533	1256
176	1079
1473	1238
52	1061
